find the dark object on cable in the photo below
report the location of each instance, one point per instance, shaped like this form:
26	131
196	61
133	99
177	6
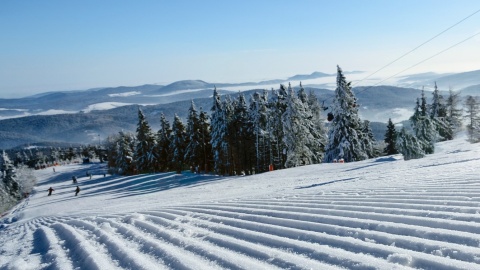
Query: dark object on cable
330	116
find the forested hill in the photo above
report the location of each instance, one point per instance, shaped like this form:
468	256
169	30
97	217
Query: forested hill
89	127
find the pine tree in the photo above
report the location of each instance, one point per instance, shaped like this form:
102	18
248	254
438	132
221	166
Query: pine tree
206	156
301	94
318	128
345	139
10	181
276	108
438	112
111	148
454	113
242	139
9	188
472	110
163	145
177	145
302	147
219	135
424	126
193	155
125	149
368	140
145	156
259	117
228	142
409	145
390	139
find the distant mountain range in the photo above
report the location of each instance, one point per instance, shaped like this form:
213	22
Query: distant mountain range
90	115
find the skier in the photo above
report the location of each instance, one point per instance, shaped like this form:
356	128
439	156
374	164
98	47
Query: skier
50	190
77	190
74	178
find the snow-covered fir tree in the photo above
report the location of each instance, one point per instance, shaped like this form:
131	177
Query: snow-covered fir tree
219	134
409	146
276	108
163	145
424	126
258	113
369	140
9	177
454	112
111	147
145	156
193	151
206	156
242	137
125	149
390	139
345	137
302	95
302	147
177	145
228	142
472	112
438	112
318	127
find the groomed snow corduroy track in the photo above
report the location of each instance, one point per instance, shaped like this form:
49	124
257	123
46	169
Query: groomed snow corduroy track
428	223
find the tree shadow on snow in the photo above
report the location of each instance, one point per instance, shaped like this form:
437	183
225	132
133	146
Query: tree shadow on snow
377	161
66	177
148	183
327	183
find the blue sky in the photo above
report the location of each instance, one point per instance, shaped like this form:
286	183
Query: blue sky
69	45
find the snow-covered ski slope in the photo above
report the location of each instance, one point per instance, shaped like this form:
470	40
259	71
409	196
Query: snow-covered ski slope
383	213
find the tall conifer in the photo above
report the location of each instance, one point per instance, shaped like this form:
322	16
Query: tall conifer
145	156
345	138
390	139
177	144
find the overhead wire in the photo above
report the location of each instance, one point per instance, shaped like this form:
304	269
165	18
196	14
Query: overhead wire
424	60
414	49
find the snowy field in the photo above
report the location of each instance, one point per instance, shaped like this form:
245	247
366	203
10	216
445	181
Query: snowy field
383	213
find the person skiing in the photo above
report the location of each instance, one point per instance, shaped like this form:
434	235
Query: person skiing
74	178
77	190
50	190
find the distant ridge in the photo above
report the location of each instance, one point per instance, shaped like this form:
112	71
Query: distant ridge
186	84
314	75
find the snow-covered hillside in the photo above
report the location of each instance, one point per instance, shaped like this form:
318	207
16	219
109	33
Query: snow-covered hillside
384	213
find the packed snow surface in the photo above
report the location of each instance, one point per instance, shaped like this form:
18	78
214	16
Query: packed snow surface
383	213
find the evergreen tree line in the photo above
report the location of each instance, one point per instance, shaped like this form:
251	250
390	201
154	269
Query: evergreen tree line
279	129
17	179
42	157
275	129
17	182
439	121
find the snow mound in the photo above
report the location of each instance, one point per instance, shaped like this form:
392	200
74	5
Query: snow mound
402	259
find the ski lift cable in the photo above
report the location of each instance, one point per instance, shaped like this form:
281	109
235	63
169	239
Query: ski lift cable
424	60
414	49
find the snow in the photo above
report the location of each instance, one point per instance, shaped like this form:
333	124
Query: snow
125	94
181	91
24	112
104	106
383	213
53	112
